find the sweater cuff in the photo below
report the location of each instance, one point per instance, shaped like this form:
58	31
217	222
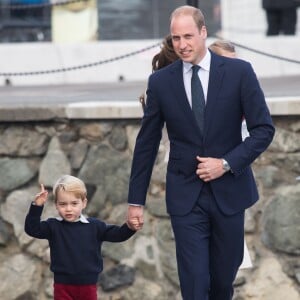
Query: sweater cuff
36	210
125	226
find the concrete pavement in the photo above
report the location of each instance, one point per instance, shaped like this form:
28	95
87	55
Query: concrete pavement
116	100
284	86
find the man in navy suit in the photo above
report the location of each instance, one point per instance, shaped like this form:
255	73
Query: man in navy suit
209	179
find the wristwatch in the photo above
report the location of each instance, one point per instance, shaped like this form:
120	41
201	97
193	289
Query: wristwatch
226	166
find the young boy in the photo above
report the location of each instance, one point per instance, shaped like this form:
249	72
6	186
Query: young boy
74	240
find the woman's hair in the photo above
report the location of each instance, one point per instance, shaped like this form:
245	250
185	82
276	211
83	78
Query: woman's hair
166	55
71	184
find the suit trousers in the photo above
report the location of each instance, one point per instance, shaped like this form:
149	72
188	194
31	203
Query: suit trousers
209	249
281	21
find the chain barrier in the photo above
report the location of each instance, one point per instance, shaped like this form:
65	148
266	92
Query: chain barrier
132	54
51	71
89	65
44	4
261	52
109	60
267	54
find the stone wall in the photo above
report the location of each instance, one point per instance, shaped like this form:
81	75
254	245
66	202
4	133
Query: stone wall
100	153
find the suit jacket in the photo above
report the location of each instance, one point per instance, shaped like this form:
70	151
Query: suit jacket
233	93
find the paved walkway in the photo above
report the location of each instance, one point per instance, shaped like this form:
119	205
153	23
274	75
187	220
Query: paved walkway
287	86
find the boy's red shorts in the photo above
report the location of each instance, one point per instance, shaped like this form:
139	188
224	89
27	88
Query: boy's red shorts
75	292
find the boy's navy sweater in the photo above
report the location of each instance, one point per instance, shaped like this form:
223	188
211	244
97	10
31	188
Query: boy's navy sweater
75	247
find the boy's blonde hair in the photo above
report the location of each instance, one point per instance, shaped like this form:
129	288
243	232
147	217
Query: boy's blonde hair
70	184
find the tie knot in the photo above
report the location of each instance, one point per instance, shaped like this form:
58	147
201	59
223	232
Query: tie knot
195	69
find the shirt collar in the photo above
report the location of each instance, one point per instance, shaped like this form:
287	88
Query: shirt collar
81	219
204	63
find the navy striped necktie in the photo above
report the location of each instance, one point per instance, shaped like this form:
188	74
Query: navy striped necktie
198	100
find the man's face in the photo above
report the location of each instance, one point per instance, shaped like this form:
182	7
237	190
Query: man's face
188	41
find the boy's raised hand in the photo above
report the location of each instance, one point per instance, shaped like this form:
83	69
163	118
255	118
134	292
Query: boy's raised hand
41	197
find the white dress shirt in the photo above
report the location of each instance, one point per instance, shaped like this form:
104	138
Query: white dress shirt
203	76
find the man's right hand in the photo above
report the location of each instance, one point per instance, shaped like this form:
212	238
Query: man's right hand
135	217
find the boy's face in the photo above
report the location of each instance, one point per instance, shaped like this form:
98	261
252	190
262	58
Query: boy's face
69	206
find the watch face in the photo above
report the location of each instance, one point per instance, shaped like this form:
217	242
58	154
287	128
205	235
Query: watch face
225	165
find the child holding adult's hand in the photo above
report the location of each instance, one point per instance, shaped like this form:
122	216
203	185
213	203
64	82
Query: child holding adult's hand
75	240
